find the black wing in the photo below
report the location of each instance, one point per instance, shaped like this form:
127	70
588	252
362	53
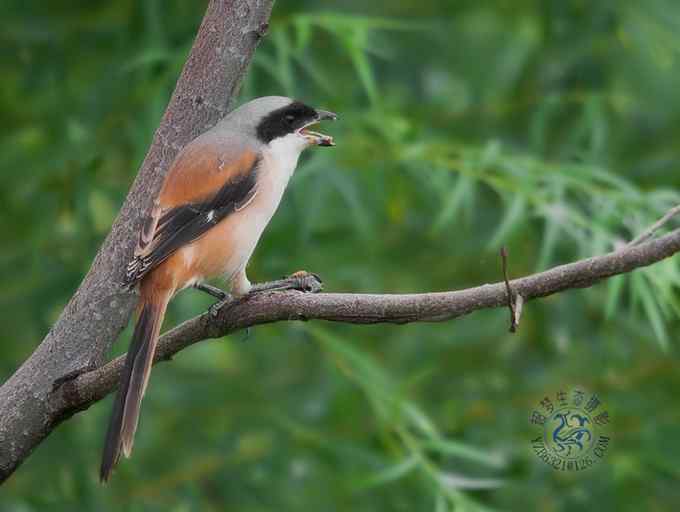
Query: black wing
184	224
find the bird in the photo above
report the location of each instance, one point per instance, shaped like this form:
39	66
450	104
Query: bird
217	198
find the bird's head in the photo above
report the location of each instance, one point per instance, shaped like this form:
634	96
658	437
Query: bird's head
283	120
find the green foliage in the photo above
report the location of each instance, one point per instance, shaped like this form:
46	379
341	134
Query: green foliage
548	127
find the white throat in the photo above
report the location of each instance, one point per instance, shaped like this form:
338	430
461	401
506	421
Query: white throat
285	152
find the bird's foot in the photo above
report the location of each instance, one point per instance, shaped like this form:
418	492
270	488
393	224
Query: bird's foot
301	280
222	296
214	310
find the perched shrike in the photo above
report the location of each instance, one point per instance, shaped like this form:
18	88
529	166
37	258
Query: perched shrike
218	196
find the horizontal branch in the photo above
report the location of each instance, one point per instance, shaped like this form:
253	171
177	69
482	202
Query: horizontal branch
267	307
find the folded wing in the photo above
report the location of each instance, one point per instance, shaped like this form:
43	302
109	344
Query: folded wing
179	217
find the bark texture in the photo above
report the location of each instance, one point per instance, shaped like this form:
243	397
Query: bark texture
100	308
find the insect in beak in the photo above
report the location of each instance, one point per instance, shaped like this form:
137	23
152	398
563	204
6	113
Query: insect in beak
316	138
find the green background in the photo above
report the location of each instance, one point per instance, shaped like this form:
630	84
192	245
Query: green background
549	126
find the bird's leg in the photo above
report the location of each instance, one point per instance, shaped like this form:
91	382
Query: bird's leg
240	286
221	296
212	290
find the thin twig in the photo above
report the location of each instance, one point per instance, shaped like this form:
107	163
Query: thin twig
651	230
508	289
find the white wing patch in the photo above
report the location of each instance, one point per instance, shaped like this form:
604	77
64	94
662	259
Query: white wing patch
248	201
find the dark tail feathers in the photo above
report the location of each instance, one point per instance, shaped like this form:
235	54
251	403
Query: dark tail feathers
134	377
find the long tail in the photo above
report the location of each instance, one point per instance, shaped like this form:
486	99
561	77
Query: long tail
133	380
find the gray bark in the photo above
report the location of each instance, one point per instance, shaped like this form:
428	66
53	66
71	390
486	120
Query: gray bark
100	309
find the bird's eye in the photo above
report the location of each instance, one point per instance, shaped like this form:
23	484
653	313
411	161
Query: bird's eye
290	118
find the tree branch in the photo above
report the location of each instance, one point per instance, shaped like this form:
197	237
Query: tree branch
267	307
651	230
100	309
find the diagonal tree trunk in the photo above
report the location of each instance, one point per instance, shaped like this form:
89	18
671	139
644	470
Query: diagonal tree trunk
100	309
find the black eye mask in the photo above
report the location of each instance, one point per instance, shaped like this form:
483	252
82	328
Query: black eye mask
285	120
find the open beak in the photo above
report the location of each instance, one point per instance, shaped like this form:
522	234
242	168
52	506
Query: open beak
316	138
